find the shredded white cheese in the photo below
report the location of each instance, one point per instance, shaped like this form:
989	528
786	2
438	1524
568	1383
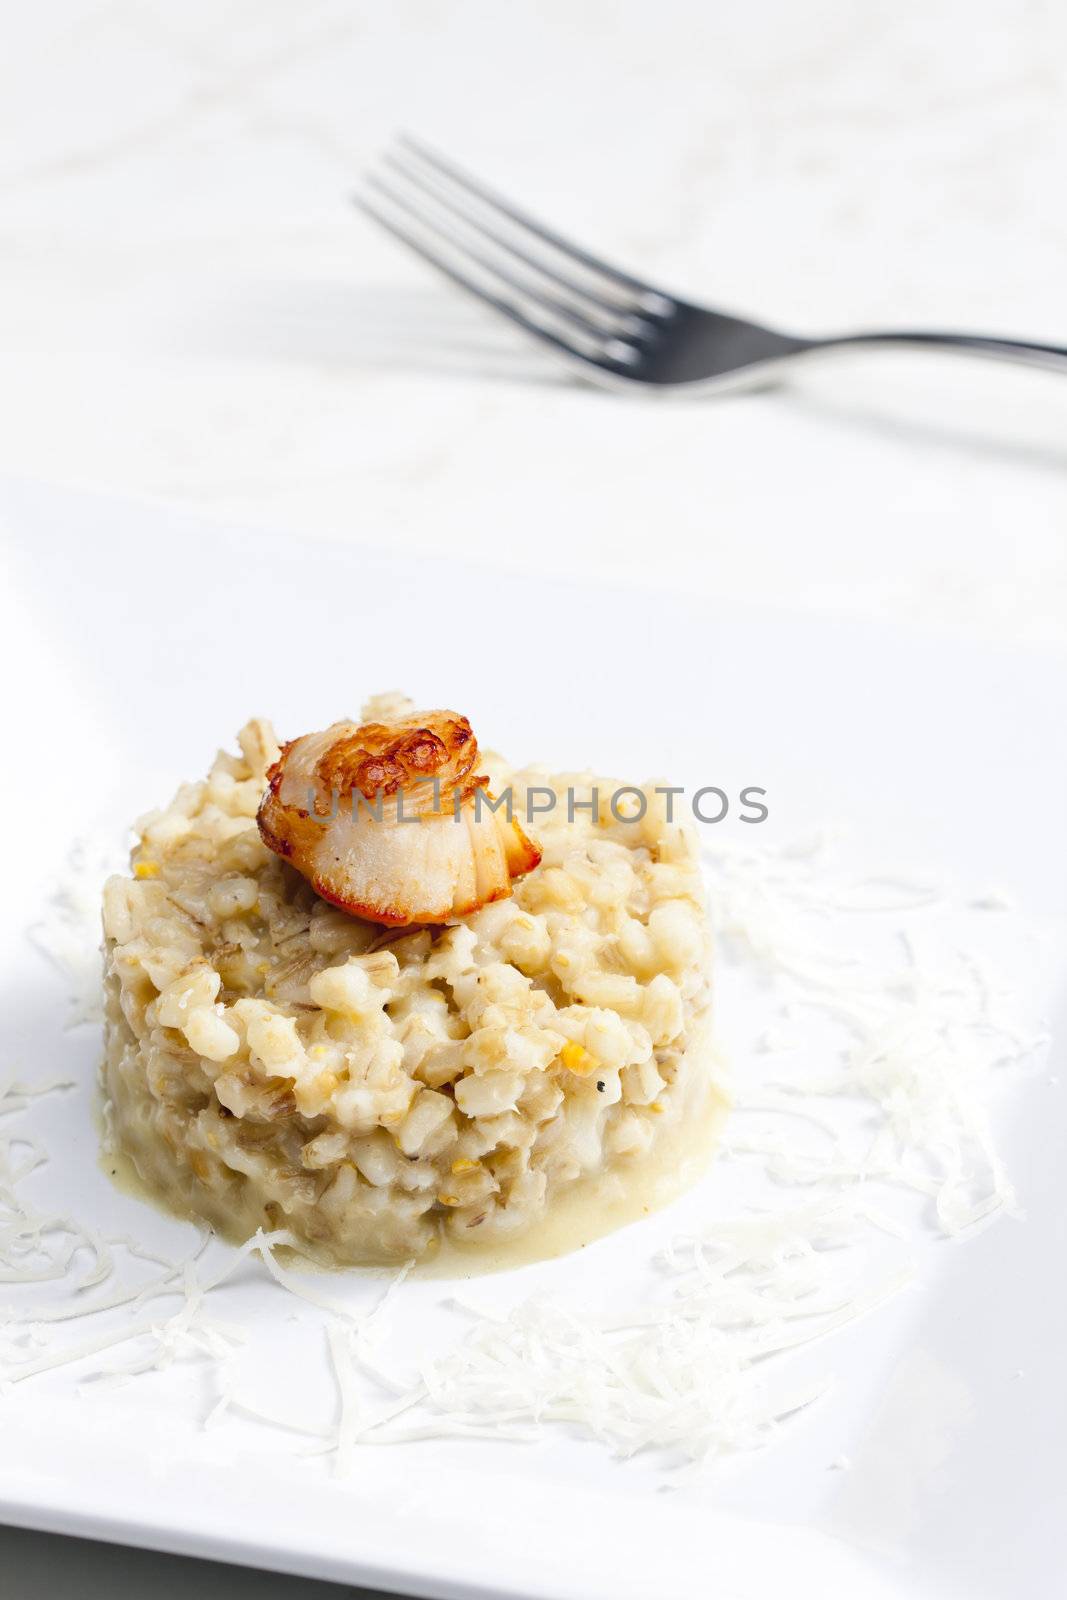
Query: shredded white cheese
918	1029
870	1071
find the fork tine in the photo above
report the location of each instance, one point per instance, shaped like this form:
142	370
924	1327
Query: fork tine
604	362
614	317
648	297
579	328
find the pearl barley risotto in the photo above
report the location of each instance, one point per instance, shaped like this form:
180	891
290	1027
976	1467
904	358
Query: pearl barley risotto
275	1061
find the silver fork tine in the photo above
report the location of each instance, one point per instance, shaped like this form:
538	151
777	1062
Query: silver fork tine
615	317
647	297
604	356
579	327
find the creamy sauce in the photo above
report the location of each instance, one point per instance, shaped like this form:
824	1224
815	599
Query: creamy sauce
597	1205
583	1212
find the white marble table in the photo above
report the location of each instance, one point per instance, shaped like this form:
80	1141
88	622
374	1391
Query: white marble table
192	311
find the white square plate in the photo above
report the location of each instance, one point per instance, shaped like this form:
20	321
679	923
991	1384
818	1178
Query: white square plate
135	643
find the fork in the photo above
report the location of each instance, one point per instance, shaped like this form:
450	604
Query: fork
616	330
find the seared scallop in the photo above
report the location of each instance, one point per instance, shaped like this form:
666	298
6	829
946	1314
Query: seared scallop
390	821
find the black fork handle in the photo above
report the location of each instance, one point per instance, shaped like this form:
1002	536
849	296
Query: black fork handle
1051	356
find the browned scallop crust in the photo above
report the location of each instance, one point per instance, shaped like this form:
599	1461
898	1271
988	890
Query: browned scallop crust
380	758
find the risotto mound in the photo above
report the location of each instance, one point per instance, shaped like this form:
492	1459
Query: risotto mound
273	1061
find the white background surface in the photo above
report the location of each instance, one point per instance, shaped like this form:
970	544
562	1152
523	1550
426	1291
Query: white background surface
191	312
